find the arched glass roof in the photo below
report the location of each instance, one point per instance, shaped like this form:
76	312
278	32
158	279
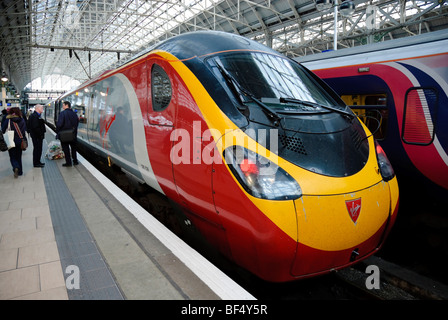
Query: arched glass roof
53	82
81	38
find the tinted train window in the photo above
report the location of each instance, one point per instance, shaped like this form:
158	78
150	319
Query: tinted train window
272	77
161	88
419	116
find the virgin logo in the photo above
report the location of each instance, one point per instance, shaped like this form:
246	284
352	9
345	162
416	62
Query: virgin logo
354	208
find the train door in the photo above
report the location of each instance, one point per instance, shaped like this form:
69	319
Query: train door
176	145
57	111
192	160
92	118
79	107
100	114
160	116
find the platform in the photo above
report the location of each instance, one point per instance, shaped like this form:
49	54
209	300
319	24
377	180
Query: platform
69	233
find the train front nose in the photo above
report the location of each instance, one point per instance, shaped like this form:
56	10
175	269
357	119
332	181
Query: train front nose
336	230
299	223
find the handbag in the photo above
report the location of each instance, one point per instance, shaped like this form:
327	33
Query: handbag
67	135
24	143
9	137
3	146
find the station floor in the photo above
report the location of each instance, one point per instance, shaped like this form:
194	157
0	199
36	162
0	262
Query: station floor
66	233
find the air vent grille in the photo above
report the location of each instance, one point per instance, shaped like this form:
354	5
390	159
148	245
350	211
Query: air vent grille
293	144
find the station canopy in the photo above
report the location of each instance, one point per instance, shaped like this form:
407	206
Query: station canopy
78	39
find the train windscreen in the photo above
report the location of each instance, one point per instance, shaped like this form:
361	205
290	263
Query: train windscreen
274	78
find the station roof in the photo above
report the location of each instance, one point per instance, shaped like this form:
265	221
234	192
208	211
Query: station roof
81	38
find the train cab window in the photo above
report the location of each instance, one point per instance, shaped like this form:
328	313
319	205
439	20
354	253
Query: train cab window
372	110
160	88
419	116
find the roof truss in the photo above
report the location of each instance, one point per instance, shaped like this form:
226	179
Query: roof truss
81	38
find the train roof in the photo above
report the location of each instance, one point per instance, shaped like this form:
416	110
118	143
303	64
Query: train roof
189	45
431	41
202	43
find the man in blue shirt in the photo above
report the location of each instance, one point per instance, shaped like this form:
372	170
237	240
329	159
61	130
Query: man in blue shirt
36	128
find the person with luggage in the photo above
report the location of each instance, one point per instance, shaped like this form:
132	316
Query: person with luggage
15	122
36	128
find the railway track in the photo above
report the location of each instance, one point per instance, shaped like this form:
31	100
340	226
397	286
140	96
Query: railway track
395	282
385	291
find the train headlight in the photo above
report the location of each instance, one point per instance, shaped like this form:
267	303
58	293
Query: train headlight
261	177
387	172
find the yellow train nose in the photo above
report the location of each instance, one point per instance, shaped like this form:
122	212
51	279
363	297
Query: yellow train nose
338	222
332	227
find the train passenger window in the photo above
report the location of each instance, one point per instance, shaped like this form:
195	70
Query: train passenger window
160	88
372	110
420	108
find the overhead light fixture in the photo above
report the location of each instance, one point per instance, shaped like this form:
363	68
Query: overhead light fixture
347	8
4	77
324	5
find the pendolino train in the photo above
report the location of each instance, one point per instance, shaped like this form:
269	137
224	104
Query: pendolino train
263	158
403	84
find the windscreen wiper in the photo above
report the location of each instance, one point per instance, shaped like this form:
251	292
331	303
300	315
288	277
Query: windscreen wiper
231	81
241	91
316	105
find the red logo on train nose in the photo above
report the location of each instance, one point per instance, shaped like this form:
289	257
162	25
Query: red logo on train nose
354	208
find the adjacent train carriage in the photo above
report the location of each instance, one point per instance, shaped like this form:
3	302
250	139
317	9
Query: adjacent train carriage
400	90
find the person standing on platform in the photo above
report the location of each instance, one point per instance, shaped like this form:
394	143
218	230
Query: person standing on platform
68	120
14	120
36	128
4	115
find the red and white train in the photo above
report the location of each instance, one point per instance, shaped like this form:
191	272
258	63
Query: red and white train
266	161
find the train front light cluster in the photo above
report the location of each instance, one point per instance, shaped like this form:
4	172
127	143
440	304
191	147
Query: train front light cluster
386	170
261	177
